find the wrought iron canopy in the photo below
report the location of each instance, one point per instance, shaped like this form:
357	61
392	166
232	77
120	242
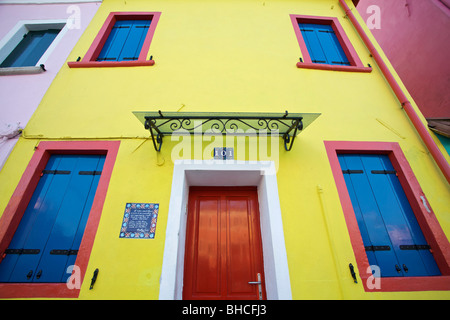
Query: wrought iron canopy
286	125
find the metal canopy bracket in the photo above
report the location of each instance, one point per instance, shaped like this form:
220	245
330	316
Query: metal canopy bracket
286	125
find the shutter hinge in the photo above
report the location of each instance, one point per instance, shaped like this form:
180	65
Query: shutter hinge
90	173
377	248
384	172
55	172
352	171
64	252
415	247
341	63
22	251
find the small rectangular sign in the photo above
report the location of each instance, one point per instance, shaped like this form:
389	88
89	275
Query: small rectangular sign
224	153
139	221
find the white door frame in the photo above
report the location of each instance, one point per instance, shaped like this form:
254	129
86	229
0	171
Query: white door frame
262	174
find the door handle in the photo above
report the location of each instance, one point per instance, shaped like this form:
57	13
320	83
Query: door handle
259	284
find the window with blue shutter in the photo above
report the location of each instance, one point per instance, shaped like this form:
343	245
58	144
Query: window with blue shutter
28	52
125	41
389	229
322	44
48	237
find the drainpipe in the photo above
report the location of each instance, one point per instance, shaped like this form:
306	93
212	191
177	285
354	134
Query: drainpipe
420	127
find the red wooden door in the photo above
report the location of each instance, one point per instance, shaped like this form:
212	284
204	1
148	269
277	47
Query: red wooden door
223	244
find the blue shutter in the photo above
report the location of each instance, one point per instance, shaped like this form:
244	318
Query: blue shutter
389	229
30	49
115	42
125	41
368	215
30	215
323	44
51	222
133	45
313	44
419	262
25	269
84	217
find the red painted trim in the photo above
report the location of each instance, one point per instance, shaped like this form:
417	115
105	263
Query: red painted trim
89	60
15	209
422	129
355	63
320	66
109	64
428	222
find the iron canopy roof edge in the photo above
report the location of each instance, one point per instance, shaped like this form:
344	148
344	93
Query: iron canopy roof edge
287	125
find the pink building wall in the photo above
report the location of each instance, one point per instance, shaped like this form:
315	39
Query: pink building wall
415	36
20	95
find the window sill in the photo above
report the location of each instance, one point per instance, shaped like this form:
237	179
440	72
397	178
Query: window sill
37	290
318	66
110	64
435	283
21	70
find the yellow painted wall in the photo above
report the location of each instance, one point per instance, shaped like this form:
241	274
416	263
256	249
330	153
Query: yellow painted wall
226	56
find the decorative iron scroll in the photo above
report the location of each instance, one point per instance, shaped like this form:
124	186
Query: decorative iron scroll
285	125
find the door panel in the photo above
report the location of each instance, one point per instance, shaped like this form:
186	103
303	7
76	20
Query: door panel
223	244
240	246
207	253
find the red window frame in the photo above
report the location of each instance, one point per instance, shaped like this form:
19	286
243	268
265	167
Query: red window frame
18	203
89	60
355	63
426	218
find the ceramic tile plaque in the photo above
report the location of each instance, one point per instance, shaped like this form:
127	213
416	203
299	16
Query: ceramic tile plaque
139	221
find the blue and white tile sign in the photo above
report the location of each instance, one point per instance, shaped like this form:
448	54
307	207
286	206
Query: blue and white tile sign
139	221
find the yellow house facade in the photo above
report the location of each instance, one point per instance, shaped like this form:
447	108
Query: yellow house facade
170	214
